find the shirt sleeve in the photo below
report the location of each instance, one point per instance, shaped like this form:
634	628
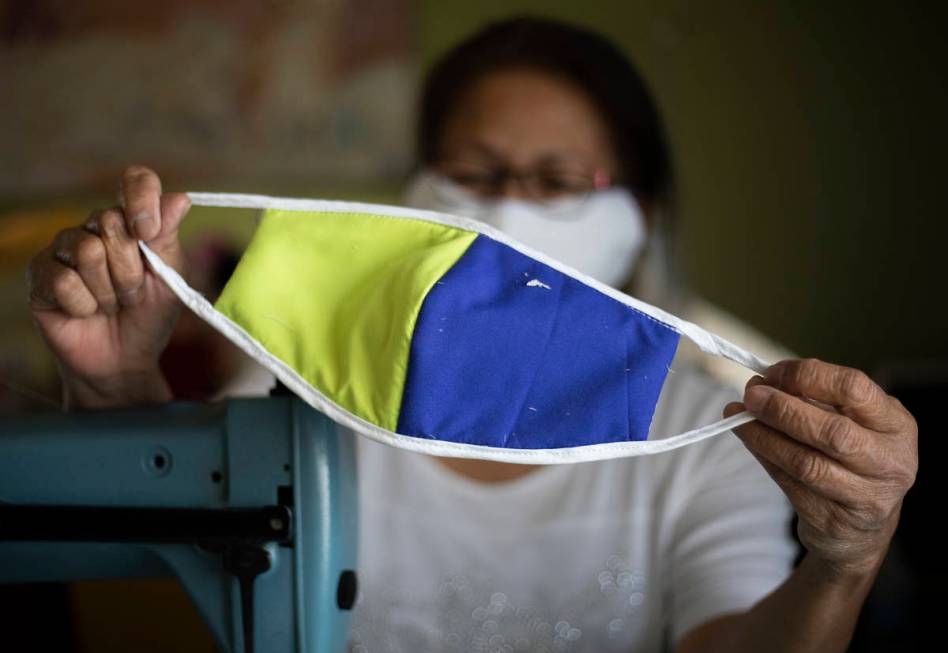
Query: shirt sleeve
732	542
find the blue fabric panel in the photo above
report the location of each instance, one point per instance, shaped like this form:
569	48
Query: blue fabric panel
497	362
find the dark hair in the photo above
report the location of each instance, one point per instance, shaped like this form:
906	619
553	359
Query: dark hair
579	56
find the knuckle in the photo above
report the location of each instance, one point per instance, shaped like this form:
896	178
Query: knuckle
70	294
796	374
816	373
856	387
839	436
65	283
136	171
93	217
809	367
784	373
90	252
910	476
906	474
778	407
63	238
111	223
808	467
909	424
880	509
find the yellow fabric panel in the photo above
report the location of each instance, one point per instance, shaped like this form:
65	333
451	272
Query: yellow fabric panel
335	296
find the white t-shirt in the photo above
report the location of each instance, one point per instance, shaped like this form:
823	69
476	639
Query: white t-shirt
598	556
621	555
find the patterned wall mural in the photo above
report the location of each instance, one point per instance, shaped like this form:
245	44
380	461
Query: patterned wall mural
284	93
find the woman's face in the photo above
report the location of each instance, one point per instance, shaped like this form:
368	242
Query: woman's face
526	134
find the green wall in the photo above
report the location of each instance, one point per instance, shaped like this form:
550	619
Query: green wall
810	143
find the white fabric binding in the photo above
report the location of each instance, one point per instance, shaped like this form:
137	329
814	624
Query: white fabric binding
706	341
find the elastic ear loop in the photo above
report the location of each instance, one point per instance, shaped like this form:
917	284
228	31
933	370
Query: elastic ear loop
705	340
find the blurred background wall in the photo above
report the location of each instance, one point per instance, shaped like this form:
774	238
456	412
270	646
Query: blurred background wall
810	144
809	139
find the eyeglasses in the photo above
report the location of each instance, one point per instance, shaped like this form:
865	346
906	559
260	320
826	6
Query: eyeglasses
542	184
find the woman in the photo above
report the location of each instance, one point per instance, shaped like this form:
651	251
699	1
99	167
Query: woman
546	131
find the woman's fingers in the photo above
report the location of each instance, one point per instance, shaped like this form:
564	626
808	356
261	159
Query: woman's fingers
58	287
807	466
843	451
99	267
809	505
85	253
849	390
830	433
96	267
126	269
151	216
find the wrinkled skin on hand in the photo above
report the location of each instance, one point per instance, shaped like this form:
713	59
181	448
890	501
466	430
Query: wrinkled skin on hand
102	311
843	451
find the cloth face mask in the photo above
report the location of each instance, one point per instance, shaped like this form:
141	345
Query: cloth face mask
442	335
600	235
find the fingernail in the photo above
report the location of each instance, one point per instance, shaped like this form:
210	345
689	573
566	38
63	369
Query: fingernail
141	223
774	373
732	409
756	396
755	380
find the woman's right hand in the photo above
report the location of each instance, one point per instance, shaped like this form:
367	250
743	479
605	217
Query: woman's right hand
105	315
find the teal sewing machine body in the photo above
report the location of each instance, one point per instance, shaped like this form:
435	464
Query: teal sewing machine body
251	504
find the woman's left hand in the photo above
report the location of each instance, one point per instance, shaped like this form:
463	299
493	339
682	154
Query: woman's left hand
842	450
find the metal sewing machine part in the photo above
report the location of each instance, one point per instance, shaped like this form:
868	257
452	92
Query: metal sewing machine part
251	504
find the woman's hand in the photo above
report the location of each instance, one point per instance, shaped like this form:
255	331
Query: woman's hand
102	311
843	451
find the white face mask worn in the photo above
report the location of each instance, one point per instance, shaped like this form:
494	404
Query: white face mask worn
600	234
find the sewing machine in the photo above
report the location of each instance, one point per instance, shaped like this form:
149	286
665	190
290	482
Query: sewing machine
251	504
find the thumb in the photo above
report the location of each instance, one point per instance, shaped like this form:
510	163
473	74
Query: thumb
174	206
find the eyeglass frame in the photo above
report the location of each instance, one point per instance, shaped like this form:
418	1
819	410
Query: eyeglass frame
503	175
